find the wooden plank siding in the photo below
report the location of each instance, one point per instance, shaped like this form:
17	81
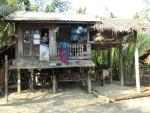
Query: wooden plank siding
2	77
20	27
31	50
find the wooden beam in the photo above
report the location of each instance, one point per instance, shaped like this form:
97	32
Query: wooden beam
18	81
121	65
136	55
6	78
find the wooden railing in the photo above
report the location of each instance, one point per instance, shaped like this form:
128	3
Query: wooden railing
75	49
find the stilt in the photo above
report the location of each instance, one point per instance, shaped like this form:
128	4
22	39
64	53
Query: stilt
54	82
121	65
110	64
89	82
6	78
32	81
18	81
136	55
83	81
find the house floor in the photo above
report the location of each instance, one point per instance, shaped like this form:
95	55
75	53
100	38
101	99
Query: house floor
35	63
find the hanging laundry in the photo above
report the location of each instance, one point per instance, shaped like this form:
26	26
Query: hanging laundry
64	52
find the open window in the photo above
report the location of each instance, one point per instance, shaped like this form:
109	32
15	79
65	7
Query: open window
44	45
79	34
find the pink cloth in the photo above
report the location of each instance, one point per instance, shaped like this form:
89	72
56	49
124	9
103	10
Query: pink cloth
63	56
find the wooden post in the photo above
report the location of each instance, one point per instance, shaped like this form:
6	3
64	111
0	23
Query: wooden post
88	46
18	81
54	81
52	41
32	81
121	65
136	55
110	64
82	75
6	78
89	82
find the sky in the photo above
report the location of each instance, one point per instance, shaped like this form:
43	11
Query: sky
120	8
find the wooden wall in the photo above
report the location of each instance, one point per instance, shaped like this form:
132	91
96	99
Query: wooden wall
20	27
64	34
2	77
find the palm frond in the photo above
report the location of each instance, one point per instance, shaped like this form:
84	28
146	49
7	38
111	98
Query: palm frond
6	10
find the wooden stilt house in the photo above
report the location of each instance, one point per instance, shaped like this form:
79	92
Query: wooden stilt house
51	41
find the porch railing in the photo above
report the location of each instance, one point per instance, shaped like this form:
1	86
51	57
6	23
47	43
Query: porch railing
76	49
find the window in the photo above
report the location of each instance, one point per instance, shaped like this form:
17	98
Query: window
79	34
36	36
26	37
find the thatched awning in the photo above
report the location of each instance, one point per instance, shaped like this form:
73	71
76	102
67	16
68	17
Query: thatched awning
116	26
117	31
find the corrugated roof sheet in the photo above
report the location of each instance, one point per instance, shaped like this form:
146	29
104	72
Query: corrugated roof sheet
40	16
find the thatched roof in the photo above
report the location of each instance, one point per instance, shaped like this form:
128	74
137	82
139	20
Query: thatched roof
50	17
116	26
145	58
117	31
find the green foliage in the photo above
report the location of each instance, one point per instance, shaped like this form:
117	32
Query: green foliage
109	14
5	27
6	10
57	6
101	57
81	10
49	8
13	3
145	13
34	7
3	2
26	5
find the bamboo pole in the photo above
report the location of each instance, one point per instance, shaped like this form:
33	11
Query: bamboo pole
121	65
6	78
18	81
136	55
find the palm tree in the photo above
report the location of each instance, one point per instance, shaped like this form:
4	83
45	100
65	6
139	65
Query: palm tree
5	27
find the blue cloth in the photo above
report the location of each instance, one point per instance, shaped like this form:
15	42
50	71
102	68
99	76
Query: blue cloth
63	45
64	52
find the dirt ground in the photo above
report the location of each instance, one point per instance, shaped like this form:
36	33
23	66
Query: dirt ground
74	99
